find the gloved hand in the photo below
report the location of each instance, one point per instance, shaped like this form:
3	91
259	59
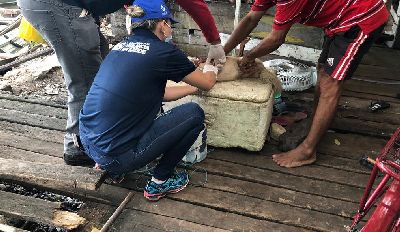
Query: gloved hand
210	68
216	53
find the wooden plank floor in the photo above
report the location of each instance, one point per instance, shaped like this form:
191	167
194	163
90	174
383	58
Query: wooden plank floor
245	191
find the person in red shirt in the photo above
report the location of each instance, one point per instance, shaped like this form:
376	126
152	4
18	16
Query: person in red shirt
351	27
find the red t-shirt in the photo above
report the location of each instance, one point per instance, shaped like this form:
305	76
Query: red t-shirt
332	15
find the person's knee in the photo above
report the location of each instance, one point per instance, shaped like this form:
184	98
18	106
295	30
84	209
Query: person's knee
330	93
196	112
195	108
326	81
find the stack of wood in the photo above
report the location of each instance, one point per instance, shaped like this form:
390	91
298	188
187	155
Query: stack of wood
48	176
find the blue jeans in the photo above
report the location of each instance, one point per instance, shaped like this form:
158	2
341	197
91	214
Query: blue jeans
171	135
76	41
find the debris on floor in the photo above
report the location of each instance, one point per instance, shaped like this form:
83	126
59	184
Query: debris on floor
378	106
276	131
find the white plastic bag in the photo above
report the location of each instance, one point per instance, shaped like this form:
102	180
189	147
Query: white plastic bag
198	151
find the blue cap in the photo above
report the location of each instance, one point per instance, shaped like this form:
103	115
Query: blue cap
153	9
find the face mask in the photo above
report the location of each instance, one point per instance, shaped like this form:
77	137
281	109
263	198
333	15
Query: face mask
169	39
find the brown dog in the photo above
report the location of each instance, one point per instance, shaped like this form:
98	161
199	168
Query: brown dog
231	71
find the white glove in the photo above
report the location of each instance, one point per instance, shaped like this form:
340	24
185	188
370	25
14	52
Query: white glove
210	68
217	53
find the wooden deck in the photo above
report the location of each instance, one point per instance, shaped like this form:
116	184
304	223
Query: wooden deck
245	191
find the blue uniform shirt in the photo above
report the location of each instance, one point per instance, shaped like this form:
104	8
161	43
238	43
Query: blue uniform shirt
128	90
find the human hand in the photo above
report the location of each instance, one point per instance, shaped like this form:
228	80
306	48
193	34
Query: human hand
210	68
193	90
248	67
246	63
217	54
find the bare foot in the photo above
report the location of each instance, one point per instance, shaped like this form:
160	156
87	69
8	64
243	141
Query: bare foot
295	158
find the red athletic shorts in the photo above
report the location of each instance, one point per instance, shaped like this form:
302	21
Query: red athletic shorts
342	52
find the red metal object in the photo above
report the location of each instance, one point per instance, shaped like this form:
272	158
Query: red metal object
386	214
386	217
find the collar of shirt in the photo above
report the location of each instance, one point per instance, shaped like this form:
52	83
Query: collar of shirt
144	33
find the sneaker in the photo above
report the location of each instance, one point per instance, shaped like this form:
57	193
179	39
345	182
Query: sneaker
78	159
177	182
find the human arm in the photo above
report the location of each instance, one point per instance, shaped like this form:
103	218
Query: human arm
179	68
173	93
269	44
244	28
286	15
203	80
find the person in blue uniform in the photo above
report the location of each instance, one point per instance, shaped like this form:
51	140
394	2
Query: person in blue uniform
71	28
121	128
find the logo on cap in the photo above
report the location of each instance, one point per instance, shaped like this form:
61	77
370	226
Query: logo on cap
164	10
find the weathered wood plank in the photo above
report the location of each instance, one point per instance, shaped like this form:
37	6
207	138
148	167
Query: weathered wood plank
256	208
32	119
276	194
380	73
369	96
352	146
137	220
358	93
33	108
113	195
18	154
53	136
356	126
265	192
352	107
384	57
349	124
143	228
50	175
282	180
262	209
202	213
355	120
375	88
39	101
132	220
265	162
331	161
38	210
379	117
31	144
